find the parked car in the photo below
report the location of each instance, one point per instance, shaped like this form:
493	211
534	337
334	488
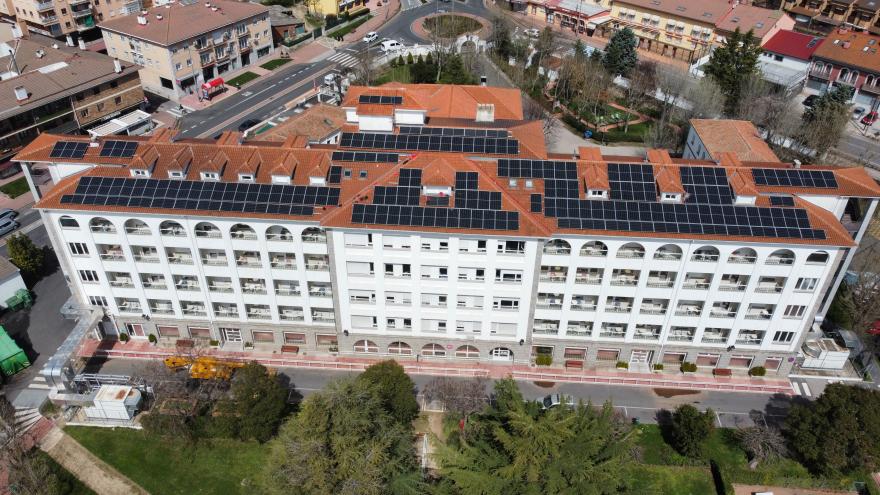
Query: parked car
7	226
390	46
810	101
371	37
247	124
553	400
875	328
532	33
869	119
7	214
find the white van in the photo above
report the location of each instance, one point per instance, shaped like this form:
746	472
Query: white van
390	45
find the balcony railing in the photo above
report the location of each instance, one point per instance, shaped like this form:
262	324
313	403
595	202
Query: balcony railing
606	334
618	309
161	310
688	312
741	259
583	307
769	288
660	283
146	258
155	285
715	313
129	308
254	289
704	258
317	267
588	280
215	261
748	340
625	282
319	239
173	232
779	261
211	234
287	291
249	262
195	312
667	256
122	283
283	264
696	284
279	237
249	236
540	305
680	337
259	315
292	316
44	6
630	254
180	260
579	332
187	286
646	336
821	74
714	339
762	315
226	313
732	287
552	277
653	311
112	256
220	288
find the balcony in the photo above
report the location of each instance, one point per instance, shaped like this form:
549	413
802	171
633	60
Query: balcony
129	306
587	280
871	88
618	308
579	329
552	277
612	333
625	281
259	314
680	335
697	283
179	257
243	234
653	309
215	261
226	313
203	45
704	256
156	283
314	238
689	310
173	232
146	256
162	309
732	287
250	259
821	74
317	263
82	13
323	317
49	19
194	310
668	253
583	303
547	303
44	6
722	313
290	314
770	285
757	312
748	337
715	337
252	287
122	283
223	287
741	259
187	284
102	228
646	334
208	232
286	289
660	283
776	259
283	262
115	254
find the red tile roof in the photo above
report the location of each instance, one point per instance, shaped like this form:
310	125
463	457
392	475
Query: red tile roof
793	44
441	100
853	49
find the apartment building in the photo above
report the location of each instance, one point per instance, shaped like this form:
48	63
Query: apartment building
827	15
185	44
336	7
581	16
687	29
851	59
65	18
47	87
453	235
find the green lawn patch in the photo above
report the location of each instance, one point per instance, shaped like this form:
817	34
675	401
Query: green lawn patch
167	466
644	478
242	79
15	188
635	134
274	64
451	25
399	74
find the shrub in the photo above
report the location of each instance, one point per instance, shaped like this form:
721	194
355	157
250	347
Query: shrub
123	337
409	59
688	367
623	365
689	428
575	123
421	59
152	338
357	13
429	59
543	359
758	371
330	20
658	366
214	343
400	60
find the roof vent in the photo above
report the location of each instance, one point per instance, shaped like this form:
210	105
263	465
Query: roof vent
142	20
82	44
40	53
55	45
797	164
21	93
485	112
158	17
214	9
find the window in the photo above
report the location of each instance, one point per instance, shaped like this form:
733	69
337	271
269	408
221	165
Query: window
264	336
806	284
84	112
90	276
98	301
783	337
794	311
200	332
362	174
167	331
78	249
68	223
177	66
210	176
117	100
294	338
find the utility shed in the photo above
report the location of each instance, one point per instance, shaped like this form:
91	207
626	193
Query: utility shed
10	281
12	358
114	402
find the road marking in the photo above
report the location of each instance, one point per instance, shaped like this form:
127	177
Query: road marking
344	59
807	391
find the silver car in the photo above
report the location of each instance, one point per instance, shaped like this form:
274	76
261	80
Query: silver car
7	214
7	225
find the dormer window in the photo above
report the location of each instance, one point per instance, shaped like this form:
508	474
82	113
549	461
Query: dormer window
210	176
529	183
175	174
317	181
280	179
139	172
245	177
512	183
597	194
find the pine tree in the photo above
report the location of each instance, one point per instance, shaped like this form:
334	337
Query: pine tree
620	55
429	59
409	59
732	64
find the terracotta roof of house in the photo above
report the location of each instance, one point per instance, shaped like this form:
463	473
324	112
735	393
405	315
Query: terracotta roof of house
746	17
316	122
697	10
180	22
851	48
736	136
793	44
440	100
58	73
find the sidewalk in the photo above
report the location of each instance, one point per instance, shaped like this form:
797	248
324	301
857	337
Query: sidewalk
381	15
145	350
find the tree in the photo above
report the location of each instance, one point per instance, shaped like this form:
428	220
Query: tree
838	432
25	254
342	441
689	428
395	388
460	397
857	302
641	88
364	69
620	55
29	474
732	63
823	124
762	443
500	37
769	107
256	406
454	72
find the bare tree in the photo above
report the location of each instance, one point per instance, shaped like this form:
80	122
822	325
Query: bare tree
705	101
857	303
761	442
532	110
364	69
28	474
462	397
641	86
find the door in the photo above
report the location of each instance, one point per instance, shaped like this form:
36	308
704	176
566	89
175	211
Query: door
500	354
640	356
230	335
135	329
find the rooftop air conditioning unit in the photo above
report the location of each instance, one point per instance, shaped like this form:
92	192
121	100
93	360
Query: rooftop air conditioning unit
142	20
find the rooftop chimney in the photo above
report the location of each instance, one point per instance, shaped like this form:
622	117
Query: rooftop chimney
485	112
117	67
797	164
142	20
82	44
40	53
483	80
21	93
158	17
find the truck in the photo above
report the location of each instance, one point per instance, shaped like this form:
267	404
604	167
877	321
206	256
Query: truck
12	357
204	368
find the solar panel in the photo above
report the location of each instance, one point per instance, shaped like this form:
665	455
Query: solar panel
418	216
119	149
466	180
410	142
364	156
687	219
437	201
69	149
558	188
478	200
453	131
781	201
706	185
536	169
334	175
410	177
395	195
279	199
632	182
380	100
794	177
536	203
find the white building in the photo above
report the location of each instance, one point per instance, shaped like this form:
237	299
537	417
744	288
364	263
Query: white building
643	260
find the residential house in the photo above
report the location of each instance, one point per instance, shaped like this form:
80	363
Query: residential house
786	58
848	58
826	15
710	139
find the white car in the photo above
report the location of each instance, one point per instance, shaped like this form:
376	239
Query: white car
390	46
371	37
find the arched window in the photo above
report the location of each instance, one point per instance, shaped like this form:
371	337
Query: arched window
101	226
781	257
242	231
557	246
467	352
705	253
399	348
68	222
314	234
366	346
818	258
668	252
631	250
278	233
435	350
172	229
207	229
136	227
594	248
743	255
501	354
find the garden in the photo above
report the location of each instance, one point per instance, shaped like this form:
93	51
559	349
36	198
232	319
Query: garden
15	188
451	25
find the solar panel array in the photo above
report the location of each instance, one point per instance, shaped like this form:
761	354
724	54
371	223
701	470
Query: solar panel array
794	177
410	177
478	200
364	156
69	149
334	175
537	169
537	203
454	131
418	216
466	180
410	142
119	149
706	185
632	182
637	216
781	201
380	100
559	188
437	201
197	195
396	195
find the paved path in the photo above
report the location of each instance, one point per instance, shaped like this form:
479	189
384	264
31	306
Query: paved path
95	473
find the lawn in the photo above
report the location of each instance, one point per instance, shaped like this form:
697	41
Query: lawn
167	466
399	74
635	134
15	188
67	483
242	79
450	25
274	64
645	478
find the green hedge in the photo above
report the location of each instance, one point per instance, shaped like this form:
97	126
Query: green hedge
348	27
289	43
688	367
543	359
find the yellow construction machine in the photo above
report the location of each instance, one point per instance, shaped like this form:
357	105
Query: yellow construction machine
204	368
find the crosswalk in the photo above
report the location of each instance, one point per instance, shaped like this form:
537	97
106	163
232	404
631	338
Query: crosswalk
344	59
39	383
801	388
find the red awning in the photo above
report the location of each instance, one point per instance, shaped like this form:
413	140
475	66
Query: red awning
213	83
